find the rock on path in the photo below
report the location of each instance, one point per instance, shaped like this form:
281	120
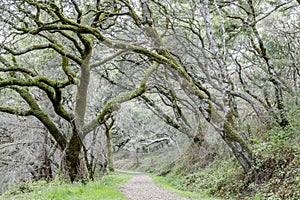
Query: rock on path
141	187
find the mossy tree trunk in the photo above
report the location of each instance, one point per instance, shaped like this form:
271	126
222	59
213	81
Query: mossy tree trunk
47	169
72	156
223	122
108	132
239	147
262	50
227	128
76	142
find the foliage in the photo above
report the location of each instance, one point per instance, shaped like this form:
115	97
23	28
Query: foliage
107	188
169	185
217	179
275	175
205	69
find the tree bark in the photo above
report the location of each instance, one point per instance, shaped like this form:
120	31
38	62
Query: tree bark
236	143
76	142
228	131
110	159
72	156
262	50
47	164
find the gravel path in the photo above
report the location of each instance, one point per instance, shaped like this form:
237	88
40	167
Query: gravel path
141	187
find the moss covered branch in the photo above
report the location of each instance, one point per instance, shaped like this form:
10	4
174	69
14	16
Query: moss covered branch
36	111
15	111
114	104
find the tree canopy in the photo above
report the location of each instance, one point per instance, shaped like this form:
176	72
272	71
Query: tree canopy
221	64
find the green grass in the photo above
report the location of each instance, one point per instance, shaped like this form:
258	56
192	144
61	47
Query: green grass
168	185
106	189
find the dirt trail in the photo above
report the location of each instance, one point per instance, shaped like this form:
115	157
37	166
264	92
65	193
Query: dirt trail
141	187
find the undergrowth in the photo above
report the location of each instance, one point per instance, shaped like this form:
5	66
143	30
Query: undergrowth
276	172
169	185
274	175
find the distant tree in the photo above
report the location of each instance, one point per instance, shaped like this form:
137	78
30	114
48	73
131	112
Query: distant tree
26	151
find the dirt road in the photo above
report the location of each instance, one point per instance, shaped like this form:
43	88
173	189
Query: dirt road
141	187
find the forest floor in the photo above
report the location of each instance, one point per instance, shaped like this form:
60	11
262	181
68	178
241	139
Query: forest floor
141	187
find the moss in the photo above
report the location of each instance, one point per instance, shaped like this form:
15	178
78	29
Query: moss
72	155
229	127
239	147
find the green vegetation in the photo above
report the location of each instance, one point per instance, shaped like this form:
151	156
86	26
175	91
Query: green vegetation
107	188
275	175
207	97
172	186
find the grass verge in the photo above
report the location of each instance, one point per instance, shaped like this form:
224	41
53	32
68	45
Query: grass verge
105	189
169	185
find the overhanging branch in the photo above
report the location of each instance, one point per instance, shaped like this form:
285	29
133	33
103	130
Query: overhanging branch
114	104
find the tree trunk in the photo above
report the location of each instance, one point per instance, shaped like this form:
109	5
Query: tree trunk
47	164
75	144
228	130
236	143
282	117
72	156
90	164
110	159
